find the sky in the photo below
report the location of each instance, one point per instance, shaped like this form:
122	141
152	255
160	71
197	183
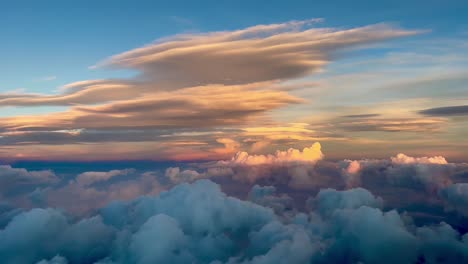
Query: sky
236	132
393	82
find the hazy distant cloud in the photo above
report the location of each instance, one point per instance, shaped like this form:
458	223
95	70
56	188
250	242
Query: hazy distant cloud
409	124
361	116
460	110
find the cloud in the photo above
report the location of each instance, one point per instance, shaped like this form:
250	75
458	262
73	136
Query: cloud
361	116
262	136
294	164
195	107
171	91
26	239
428	173
54	260
84	195
178	176
460	110
90	177
267	196
420	179
404	159
132	217
351	173
329	200
308	155
255	54
456	197
407	124
12	179
426	181
262	53
198	223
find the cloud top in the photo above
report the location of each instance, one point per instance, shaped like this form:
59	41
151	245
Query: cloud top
308	155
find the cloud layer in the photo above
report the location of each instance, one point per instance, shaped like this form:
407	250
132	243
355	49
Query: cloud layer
294	206
198	82
198	223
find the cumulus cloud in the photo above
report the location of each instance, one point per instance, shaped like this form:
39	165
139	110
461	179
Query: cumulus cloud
329	200
456	197
404	159
308	155
433	179
430	173
178	175
351	173
27	238
92	190
293	165
198	223
90	177
306	169
420	179
267	196
12	179
125	216
54	260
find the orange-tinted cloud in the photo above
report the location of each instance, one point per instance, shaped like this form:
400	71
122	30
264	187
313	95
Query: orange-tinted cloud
191	82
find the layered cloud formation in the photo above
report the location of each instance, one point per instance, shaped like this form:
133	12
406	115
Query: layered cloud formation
206	83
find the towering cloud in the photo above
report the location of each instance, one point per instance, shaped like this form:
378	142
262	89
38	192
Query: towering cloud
403	159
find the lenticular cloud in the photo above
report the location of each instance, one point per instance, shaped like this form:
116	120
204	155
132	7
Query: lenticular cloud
198	223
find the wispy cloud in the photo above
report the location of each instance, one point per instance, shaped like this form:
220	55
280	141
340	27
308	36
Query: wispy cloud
459	110
48	78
